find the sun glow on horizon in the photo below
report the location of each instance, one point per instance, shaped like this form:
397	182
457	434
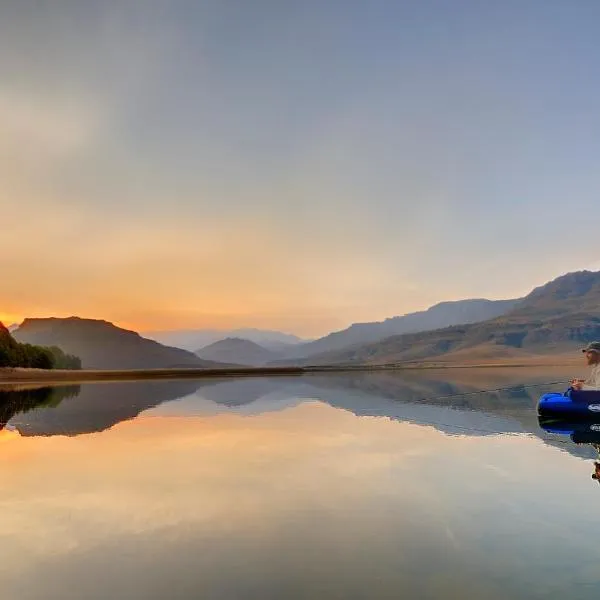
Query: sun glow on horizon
228	177
8	319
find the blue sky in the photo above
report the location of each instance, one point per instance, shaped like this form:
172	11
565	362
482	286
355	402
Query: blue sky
292	165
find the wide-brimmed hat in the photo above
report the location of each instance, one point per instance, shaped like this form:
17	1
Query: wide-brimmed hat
592	347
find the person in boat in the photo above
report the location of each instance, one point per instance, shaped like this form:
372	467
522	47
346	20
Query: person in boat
592	357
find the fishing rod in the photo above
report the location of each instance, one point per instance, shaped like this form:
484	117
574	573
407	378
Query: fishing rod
499	389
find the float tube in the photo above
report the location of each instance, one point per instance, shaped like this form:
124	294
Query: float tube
573	404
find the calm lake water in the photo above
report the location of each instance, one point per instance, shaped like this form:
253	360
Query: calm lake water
350	487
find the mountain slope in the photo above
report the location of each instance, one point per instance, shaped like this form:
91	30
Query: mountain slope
444	314
102	345
572	293
556	317
193	339
237	350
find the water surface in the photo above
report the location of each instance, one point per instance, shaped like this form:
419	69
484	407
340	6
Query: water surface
353	486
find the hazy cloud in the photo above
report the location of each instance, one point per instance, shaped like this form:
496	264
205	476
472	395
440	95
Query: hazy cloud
202	163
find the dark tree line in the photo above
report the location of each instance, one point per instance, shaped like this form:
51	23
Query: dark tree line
61	360
14	354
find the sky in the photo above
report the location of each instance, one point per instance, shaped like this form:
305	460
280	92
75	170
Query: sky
292	165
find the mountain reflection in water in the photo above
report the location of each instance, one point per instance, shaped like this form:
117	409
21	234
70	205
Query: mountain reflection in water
452	402
379	486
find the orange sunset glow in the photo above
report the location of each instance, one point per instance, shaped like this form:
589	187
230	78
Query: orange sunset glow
227	199
10	318
299	299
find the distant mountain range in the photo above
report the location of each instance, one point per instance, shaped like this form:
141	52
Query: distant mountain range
289	347
556	317
239	351
89	339
102	345
195	339
444	314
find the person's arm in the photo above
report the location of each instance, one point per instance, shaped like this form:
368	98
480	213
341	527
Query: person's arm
593	383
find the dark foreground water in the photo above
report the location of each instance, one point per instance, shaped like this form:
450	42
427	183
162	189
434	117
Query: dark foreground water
373	486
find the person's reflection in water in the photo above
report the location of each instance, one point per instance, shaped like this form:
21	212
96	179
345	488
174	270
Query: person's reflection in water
596	473
596	447
581	434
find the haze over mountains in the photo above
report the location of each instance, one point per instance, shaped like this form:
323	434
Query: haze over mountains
233	349
239	351
554	318
271	346
102	345
440	315
195	339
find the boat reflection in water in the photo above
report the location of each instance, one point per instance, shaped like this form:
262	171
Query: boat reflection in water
579	432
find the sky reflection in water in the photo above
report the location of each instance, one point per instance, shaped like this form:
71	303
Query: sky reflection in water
324	487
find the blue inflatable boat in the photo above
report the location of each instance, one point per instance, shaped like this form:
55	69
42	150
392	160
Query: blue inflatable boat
573	404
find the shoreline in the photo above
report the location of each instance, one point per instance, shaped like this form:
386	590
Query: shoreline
39	376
